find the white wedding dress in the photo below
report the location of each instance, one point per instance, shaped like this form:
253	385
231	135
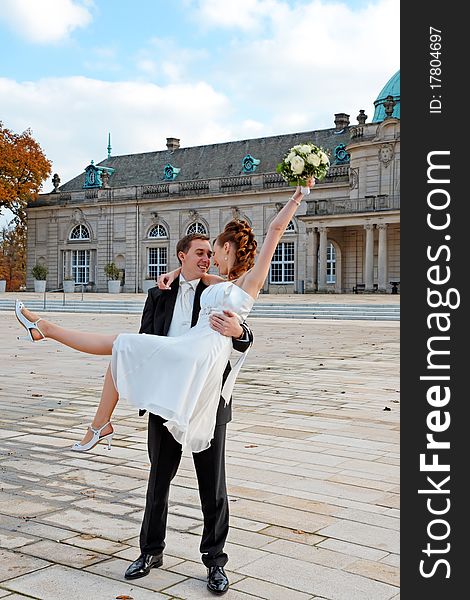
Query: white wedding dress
180	378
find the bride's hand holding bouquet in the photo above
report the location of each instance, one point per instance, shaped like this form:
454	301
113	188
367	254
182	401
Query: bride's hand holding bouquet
303	164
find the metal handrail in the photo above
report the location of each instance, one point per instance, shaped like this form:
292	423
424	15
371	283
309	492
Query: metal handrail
44	302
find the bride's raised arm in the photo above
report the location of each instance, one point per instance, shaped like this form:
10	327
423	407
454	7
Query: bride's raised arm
254	279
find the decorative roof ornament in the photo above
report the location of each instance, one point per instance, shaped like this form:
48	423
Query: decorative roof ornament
55	183
109	145
249	163
341	122
170	172
361	117
93	176
341	155
389	105
105	178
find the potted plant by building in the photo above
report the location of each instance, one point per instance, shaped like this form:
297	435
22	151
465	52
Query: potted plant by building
148	283
39	272
112	273
69	284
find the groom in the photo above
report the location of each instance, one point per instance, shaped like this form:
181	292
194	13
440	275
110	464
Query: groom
172	313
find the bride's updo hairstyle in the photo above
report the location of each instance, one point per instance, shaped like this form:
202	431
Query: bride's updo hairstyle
240	234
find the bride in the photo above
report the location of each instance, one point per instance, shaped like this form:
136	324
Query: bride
178	378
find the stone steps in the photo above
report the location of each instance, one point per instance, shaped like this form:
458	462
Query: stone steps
385	312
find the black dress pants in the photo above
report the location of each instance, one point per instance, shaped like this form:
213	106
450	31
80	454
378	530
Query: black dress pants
165	456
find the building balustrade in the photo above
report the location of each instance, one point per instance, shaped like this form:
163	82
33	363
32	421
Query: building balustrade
337	171
340	206
155	191
273	180
191	188
223	185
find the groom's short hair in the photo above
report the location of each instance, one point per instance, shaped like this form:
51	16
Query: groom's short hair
185	242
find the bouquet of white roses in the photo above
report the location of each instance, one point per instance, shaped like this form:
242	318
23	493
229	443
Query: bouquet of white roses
302	162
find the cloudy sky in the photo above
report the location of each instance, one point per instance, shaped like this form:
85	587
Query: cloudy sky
204	71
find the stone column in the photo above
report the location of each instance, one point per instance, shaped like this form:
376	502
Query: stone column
383	257
67	258
311	263
322	287
369	259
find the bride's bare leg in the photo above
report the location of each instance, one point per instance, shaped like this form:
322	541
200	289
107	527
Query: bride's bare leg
91	343
109	398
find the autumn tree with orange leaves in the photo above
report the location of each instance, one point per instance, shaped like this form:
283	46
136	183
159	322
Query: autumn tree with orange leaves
13	257
23	168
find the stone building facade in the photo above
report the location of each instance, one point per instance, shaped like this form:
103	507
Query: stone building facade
131	210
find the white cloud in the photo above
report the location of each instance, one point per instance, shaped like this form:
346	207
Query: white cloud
313	60
70	117
45	21
243	14
164	60
283	70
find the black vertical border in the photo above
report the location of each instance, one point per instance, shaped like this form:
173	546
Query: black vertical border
423	132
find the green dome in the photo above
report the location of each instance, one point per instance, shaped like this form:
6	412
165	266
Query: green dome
391	88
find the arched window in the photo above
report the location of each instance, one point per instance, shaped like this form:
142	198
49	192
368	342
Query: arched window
80	232
196	227
290	228
158	231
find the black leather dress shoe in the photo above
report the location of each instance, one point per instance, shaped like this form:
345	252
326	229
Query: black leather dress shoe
141	567
217	580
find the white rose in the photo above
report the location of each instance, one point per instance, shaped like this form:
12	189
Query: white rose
305	149
290	156
324	158
313	159
297	165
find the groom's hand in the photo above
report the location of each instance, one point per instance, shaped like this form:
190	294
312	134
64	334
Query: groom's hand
227	324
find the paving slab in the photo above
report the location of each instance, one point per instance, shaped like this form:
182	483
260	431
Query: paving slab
376	570
13	564
62	553
268	591
312	471
157	580
367	535
96	523
56	583
333	584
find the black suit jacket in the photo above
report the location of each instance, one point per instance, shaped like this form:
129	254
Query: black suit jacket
156	320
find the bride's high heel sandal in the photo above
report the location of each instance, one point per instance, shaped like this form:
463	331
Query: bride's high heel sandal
96	439
27	324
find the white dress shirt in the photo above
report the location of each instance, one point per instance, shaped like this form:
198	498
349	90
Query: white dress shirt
183	311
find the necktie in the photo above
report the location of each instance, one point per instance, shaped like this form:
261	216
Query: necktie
186	289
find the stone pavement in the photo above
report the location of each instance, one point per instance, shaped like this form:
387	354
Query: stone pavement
312	461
